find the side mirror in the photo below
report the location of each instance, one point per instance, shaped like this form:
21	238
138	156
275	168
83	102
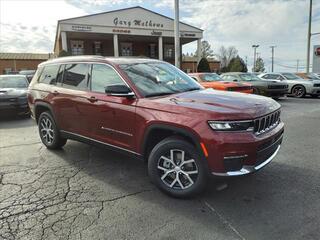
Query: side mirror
119	91
235	80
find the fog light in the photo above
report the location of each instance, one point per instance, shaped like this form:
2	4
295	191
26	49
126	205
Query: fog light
234	163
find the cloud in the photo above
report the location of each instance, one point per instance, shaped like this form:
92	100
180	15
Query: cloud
30	26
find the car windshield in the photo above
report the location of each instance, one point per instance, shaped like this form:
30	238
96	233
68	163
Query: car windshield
13	82
249	77
158	78
210	77
291	76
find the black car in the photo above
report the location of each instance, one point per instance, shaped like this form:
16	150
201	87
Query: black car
28	73
13	95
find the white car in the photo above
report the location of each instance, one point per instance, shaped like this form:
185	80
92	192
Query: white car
298	87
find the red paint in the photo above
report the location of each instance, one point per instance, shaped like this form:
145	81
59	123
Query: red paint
189	111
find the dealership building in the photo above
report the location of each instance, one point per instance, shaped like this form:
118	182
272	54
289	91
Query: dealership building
132	31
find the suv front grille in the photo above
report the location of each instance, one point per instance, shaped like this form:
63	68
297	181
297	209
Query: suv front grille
277	86
267	122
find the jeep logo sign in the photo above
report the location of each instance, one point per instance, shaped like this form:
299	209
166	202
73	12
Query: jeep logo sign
317	51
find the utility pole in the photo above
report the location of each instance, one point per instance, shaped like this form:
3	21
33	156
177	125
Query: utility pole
309	37
176	34
272	57
297	65
254	57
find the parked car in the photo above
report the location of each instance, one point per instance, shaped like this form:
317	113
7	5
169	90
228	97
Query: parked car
272	89
13	95
28	73
154	111
213	80
298	87
308	76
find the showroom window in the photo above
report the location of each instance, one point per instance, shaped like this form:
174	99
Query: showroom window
169	51
126	49
97	48
77	47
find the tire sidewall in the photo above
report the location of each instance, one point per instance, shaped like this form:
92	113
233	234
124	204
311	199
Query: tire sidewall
55	142
165	146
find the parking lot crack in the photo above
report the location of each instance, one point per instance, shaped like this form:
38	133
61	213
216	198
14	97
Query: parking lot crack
224	221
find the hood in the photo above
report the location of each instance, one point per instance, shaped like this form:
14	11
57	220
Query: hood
222	104
12	92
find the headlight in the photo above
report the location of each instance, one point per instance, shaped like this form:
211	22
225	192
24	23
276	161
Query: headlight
231	125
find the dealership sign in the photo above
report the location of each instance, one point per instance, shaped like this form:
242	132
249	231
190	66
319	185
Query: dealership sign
137	23
316	59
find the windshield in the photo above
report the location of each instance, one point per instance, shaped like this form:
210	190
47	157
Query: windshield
158	78
290	76
210	77
13	82
249	77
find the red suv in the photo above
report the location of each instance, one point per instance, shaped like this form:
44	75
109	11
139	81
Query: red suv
153	111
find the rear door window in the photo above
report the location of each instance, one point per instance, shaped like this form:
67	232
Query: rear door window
49	74
76	76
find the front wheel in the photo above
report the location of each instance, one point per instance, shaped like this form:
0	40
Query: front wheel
49	132
298	91
175	166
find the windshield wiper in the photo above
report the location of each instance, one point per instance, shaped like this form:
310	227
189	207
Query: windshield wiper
192	89
159	94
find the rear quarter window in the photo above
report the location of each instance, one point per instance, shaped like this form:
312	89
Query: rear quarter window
49	74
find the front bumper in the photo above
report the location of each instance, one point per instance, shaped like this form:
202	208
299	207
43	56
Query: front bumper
14	108
246	169
240	153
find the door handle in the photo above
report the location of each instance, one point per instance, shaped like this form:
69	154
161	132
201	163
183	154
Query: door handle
55	93
92	99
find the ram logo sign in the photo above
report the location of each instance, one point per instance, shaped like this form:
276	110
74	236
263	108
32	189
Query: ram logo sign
317	51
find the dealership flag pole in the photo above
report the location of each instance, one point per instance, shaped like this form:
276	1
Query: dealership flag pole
176	34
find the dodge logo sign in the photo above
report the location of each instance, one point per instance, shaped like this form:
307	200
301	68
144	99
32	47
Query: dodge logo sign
317	51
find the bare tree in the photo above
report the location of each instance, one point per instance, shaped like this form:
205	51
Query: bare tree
226	54
206	50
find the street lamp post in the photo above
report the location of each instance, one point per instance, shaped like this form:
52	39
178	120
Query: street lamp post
176	34
254	56
272	57
309	37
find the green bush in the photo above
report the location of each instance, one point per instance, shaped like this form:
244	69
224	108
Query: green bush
203	66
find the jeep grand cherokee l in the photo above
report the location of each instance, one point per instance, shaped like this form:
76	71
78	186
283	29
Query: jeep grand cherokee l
152	110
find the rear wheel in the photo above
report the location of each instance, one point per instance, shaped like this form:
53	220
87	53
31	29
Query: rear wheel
49	132
256	91
298	91
176	167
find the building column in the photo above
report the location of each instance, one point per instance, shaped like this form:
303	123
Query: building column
199	50
115	45
160	48
64	41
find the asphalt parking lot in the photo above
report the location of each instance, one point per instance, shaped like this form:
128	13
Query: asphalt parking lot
84	192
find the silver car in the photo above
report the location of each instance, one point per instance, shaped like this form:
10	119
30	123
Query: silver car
298	87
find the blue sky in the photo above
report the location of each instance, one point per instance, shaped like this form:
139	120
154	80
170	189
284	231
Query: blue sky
29	26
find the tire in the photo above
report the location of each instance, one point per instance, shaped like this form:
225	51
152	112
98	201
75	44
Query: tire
298	91
188	179
49	133
256	91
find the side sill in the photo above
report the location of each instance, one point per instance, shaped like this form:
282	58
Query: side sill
80	138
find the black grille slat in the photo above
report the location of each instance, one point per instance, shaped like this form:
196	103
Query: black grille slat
267	122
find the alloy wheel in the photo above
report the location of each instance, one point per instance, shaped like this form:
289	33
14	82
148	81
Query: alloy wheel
298	91
46	130
177	169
